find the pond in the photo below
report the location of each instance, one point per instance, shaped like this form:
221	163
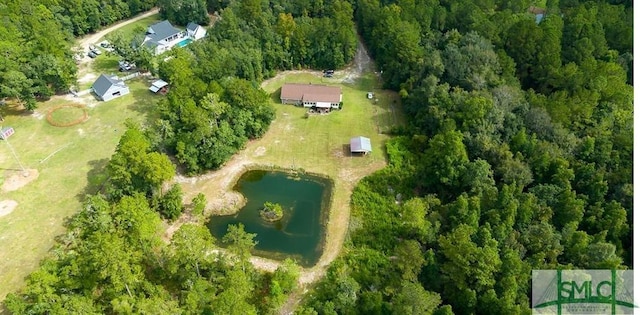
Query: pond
300	233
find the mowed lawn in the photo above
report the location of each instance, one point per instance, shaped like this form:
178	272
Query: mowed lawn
68	160
133	28
320	143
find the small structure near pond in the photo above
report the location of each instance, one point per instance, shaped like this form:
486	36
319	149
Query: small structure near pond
360	145
109	87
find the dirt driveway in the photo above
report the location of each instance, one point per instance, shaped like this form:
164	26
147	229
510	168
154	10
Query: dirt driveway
92	39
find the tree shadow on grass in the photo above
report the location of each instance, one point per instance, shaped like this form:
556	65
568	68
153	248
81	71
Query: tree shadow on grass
275	96
14	109
145	101
96	177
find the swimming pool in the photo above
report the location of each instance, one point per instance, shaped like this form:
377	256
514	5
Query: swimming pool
184	42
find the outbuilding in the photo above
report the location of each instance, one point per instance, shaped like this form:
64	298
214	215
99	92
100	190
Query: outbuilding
159	86
360	145
109	87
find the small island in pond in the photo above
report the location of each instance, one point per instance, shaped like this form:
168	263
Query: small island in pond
271	212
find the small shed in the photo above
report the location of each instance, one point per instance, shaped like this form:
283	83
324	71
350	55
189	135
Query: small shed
159	85
360	145
109	87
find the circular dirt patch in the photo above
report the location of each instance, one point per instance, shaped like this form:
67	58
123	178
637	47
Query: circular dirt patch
7	206
19	179
67	115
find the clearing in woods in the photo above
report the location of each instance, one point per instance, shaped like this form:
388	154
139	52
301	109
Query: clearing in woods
317	144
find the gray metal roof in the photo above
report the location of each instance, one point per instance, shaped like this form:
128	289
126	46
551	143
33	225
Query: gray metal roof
161	30
360	144
104	83
192	26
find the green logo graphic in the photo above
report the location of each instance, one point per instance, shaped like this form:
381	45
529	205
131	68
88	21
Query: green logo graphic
582	292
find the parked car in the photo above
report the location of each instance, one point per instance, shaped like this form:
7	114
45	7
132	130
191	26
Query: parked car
126	66
91	54
105	44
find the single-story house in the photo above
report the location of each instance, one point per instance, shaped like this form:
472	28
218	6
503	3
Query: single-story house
195	31
360	145
109	87
159	85
311	95
163	36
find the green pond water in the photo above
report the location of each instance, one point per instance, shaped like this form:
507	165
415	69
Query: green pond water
300	233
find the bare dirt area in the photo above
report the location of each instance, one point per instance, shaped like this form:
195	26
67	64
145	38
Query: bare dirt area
7	206
361	63
19	179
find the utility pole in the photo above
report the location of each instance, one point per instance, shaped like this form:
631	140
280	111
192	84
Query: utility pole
4	135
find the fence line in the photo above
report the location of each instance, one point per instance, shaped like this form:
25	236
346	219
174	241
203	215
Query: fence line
130	76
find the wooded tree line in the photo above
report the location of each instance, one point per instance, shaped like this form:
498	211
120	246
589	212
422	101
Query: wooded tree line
36	59
253	39
517	156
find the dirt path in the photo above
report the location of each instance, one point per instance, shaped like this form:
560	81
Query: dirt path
362	63
92	39
84	42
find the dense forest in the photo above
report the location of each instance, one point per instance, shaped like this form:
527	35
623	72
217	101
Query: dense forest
517	155
36	39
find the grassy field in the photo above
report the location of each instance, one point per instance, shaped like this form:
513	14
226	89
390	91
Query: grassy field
321	142
131	29
67	159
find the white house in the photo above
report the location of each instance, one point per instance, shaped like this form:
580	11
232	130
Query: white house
109	87
163	36
196	31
